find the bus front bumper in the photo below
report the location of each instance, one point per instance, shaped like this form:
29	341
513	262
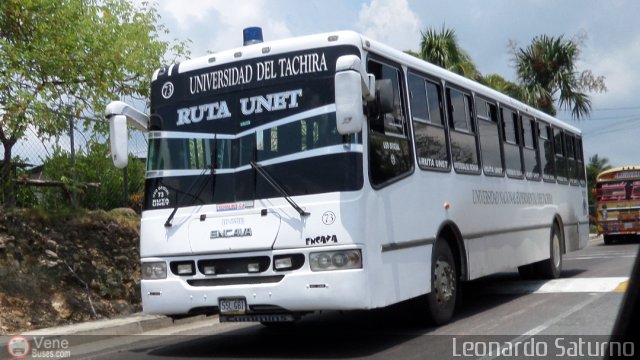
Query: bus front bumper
295	292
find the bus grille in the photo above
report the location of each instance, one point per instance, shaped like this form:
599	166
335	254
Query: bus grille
245	280
234	265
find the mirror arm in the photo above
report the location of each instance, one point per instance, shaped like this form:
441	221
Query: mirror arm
367	81
135	118
120	115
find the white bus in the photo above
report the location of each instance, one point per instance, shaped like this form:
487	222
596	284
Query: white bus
332	172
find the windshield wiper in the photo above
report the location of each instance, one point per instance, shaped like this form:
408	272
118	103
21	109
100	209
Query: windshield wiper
188	192
278	188
214	163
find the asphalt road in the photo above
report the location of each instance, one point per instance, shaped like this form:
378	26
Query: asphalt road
500	315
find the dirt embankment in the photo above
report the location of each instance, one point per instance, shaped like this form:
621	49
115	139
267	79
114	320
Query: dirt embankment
69	267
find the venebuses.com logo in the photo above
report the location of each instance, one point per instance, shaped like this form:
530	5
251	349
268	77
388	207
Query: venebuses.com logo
21	347
18	347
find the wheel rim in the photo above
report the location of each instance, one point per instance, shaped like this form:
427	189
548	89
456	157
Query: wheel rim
444	282
556	251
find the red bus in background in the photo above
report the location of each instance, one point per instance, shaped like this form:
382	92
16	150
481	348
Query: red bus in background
617	194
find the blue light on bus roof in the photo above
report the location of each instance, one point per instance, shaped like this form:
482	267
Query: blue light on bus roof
252	35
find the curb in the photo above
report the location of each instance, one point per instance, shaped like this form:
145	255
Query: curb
135	324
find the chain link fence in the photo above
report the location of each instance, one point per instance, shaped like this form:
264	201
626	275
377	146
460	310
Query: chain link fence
75	170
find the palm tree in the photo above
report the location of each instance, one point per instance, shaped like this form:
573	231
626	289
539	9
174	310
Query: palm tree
441	48
595	166
547	68
503	85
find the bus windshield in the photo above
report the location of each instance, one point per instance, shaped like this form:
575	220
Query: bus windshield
210	137
307	155
312	130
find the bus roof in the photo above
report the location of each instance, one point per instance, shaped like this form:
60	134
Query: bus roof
365	44
619	173
258	50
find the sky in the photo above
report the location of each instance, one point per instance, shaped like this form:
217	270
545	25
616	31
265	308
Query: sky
609	31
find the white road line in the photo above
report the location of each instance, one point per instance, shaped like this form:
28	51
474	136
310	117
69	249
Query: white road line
540	328
572	285
591	257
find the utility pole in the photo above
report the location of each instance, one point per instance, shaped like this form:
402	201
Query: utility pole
74	175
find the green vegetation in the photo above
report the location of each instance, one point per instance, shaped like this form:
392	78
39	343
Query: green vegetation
595	166
98	185
548	73
62	61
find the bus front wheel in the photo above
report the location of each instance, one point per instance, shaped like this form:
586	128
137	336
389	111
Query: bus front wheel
441	300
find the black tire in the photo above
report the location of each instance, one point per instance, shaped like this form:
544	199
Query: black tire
552	267
284	325
527	272
441	301
608	239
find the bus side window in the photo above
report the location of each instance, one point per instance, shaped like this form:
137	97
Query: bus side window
561	161
511	137
489	132
547	155
428	126
462	132
389	151
530	149
394	123
572	170
580	161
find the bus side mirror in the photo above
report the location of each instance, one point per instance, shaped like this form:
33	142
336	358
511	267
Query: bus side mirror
119	139
349	106
353	86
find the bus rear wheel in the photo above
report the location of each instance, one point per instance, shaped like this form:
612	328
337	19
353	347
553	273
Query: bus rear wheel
552	267
549	268
441	300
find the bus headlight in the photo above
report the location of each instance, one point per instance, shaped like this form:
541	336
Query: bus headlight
335	260
154	270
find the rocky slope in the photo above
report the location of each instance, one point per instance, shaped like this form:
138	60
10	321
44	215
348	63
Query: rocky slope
67	267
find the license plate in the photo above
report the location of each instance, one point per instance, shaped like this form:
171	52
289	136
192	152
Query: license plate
628	226
232	306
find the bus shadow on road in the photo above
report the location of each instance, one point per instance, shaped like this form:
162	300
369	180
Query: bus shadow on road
352	334
330	335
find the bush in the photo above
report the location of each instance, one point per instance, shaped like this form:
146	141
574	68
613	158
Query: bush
93	166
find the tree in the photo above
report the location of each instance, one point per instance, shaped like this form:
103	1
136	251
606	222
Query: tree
441	48
548	72
93	165
504	86
595	166
62	60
